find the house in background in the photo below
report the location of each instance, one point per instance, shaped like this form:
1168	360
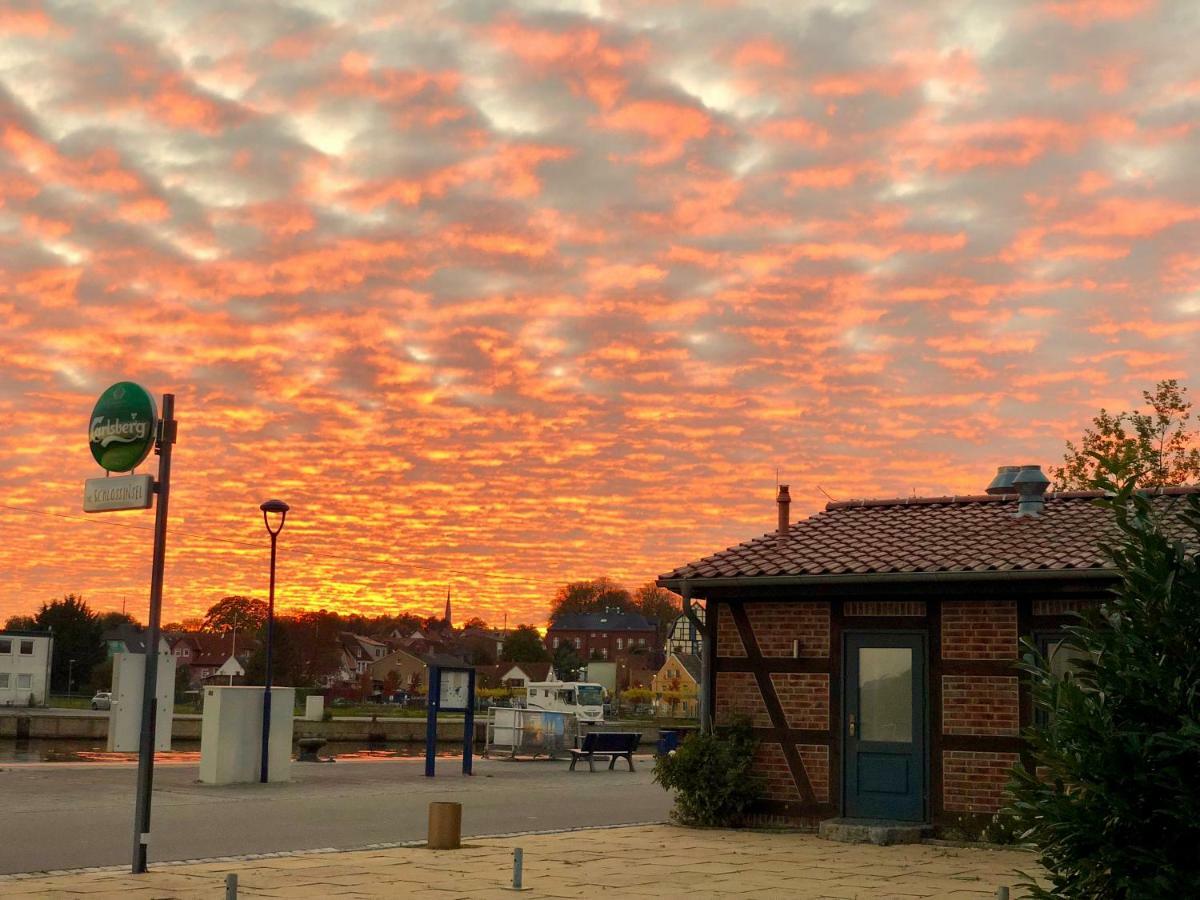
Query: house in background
682	634
410	673
873	645
513	675
358	653
210	658
610	635
679	675
128	638
25	658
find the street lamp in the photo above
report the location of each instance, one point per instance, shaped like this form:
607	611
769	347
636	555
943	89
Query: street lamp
271	507
70	675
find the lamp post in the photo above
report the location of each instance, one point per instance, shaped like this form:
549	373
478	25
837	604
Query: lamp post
70	675
281	509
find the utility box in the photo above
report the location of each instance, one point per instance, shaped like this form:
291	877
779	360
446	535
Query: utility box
125	715
231	734
314	708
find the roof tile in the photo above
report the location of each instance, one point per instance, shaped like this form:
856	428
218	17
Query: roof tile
929	534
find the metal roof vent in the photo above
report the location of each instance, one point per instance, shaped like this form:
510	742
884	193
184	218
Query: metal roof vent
1030	483
1003	482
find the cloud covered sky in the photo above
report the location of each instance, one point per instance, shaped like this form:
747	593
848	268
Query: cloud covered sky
501	295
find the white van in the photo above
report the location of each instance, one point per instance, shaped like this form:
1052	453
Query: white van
581	699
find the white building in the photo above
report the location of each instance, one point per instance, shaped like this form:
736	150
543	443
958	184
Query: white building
25	667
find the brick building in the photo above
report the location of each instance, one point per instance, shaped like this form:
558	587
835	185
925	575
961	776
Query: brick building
872	646
611	635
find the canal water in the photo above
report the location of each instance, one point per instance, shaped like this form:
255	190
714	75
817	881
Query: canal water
35	750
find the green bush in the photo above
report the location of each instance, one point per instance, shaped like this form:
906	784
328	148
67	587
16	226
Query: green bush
711	776
1114	805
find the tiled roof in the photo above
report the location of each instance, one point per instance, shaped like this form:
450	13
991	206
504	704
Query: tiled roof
929	535
605	621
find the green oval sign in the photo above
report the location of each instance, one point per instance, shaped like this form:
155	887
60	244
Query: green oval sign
123	426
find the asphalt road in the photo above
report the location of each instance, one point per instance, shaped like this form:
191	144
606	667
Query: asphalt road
61	816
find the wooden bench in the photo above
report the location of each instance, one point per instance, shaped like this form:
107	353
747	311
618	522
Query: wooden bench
610	745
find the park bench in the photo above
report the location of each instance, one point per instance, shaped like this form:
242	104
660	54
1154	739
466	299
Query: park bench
610	745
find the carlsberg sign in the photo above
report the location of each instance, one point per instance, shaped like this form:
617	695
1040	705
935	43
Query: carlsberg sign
123	426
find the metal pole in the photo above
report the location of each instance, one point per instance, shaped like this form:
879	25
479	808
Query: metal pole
231	886
433	700
145	774
266	729
469	723
518	863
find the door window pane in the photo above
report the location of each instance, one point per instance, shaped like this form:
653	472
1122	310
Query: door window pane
885	694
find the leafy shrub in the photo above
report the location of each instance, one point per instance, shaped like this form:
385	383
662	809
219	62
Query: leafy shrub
1114	804
711	776
999	828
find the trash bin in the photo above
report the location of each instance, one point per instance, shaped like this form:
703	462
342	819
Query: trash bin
668	740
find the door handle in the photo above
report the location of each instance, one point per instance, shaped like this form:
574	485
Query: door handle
852	725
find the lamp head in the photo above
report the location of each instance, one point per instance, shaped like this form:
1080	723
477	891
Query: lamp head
274	506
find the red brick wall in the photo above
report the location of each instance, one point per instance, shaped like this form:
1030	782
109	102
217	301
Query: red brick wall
979	629
804	697
1061	607
816	763
776	625
738	697
771	764
884	608
728	641
975	781
980	704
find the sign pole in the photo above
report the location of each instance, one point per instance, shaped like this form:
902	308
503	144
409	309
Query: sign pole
433	698
469	723
145	775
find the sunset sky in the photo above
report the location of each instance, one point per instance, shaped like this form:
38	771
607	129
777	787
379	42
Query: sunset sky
501	295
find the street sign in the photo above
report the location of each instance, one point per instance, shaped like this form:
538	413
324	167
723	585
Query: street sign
122	492
122	428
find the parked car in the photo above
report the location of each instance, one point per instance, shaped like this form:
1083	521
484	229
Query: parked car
102	700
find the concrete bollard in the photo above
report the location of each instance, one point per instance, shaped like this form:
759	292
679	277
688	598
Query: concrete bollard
445	826
1002	893
518	866
231	886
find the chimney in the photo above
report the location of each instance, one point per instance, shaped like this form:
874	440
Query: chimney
1031	485
1003	482
784	499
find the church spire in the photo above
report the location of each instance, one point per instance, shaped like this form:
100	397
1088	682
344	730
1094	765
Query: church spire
449	621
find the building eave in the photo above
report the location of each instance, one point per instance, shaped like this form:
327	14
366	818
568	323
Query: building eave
879	578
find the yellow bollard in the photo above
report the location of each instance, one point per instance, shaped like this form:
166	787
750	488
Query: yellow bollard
445	826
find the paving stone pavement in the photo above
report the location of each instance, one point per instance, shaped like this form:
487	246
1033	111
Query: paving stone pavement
635	861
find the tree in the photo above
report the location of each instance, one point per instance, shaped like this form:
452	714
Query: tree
20	623
567	662
76	637
236	612
524	644
391	683
659	606
114	619
475	622
596	595
287	663
183	683
101	678
1155	446
1113	803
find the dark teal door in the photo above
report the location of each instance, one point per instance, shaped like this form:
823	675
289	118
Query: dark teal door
883	729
